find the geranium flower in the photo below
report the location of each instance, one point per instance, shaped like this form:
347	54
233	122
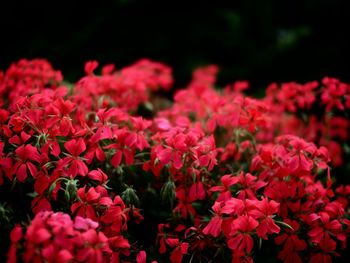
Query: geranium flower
27	154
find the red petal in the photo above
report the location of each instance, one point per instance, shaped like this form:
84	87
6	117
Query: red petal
129	157
55	149
177	160
32	153
107	201
162	247
117	158
92	195
141	257
21	152
100	155
261	231
32	169
184	247
41	236
82	168
75	207
305	164
65	256
75	147
16	234
176	256
316	234
211	124
90	66
204	160
131	140
214	227
40	204
164	156
228	180
273	228
234	242
172	242
197	191
15	140
73	168
293	163
97	175
249	243
21	173
90	213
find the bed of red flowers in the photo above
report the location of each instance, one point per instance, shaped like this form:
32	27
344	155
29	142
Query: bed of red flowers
109	170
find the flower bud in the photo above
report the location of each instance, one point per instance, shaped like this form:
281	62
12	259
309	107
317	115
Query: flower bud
71	190
167	193
130	197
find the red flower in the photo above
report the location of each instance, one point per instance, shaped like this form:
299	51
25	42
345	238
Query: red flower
52	236
206	152
20	139
197	191
180	249
214	226
333	93
141	257
59	121
40	204
293	245
239	256
95	248
119	245
15	236
184	206
85	207
225	193
297	159
264	211
323	227
73	163
98	175
249	185
90	66
166	155
233	206
327	247
115	218
26	154
241	238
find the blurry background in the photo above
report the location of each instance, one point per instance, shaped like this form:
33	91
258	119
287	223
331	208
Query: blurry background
261	41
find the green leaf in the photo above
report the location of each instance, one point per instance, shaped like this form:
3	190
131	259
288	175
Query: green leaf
284	224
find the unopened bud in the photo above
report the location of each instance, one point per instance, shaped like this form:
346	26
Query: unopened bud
130	197
71	190
167	193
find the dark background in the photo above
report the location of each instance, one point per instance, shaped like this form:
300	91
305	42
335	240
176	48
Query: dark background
261	41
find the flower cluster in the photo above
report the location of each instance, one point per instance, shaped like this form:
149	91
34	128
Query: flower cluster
109	171
315	111
126	88
52	236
